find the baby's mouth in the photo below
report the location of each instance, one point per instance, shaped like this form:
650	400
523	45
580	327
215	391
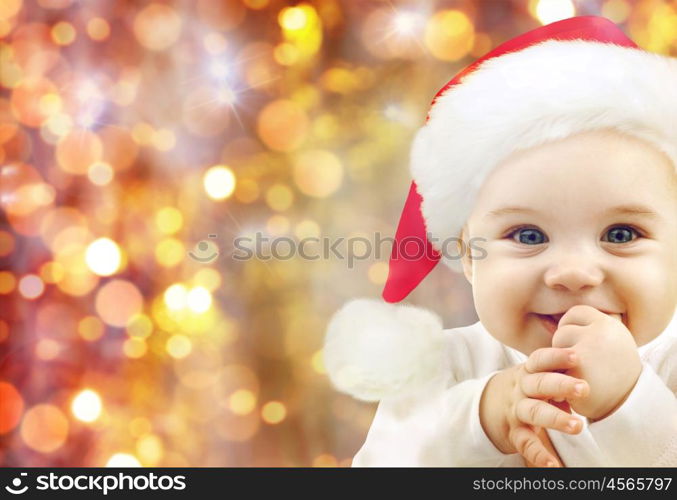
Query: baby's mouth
551	321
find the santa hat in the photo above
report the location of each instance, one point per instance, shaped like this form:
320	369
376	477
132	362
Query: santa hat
568	77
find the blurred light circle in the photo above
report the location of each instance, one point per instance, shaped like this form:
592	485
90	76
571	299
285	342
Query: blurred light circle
123	460
140	326
11	408
52	272
103	257
318	173
208	278
293	18
63	33
62	227
317	362
134	348
449	35
242	402
6	243
549	11
76	151
273	412
175	297
7	282
179	346
325	460
169	252
90	328
9	8
157	26
169	220
119	148
31	286
199	299
86	406
279	197
100	173
282	125
98	29
47	349
23	191
149	448
44	428
219	182
117	301
378	273
26	97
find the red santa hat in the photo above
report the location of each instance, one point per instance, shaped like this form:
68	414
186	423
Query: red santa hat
575	75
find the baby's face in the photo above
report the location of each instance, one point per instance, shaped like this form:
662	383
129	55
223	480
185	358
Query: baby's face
592	220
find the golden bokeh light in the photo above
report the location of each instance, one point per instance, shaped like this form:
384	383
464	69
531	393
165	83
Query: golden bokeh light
150	449
76	151
134	348
549	11
283	125
179	346
242	402
449	35
123	460
63	33
199	299
100	173
117	302
273	412
169	252
103	257
318	173
11	408
98	29
157	26
279	197
91	328
87	406
219	182
44	428
168	220
7	282
176	297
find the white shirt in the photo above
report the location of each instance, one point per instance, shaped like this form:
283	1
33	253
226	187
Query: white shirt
439	426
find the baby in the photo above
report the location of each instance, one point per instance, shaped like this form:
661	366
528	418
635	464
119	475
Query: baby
574	204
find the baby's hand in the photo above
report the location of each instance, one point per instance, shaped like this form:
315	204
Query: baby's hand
514	405
609	360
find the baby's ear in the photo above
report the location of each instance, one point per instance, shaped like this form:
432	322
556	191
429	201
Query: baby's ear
465	250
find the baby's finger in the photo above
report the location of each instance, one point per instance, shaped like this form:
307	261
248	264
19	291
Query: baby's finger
550	385
541	414
547	359
527	444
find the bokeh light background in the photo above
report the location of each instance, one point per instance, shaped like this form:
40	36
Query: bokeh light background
131	131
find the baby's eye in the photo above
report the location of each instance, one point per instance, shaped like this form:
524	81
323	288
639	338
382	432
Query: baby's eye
528	236
620	234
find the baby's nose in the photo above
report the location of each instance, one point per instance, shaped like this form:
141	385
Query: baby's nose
573	274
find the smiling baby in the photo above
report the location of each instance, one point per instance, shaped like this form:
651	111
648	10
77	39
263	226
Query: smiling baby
552	163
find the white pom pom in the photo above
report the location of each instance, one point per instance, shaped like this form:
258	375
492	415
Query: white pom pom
373	349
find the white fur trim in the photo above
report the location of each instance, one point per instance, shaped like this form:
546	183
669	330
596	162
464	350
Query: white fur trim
527	98
373	349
